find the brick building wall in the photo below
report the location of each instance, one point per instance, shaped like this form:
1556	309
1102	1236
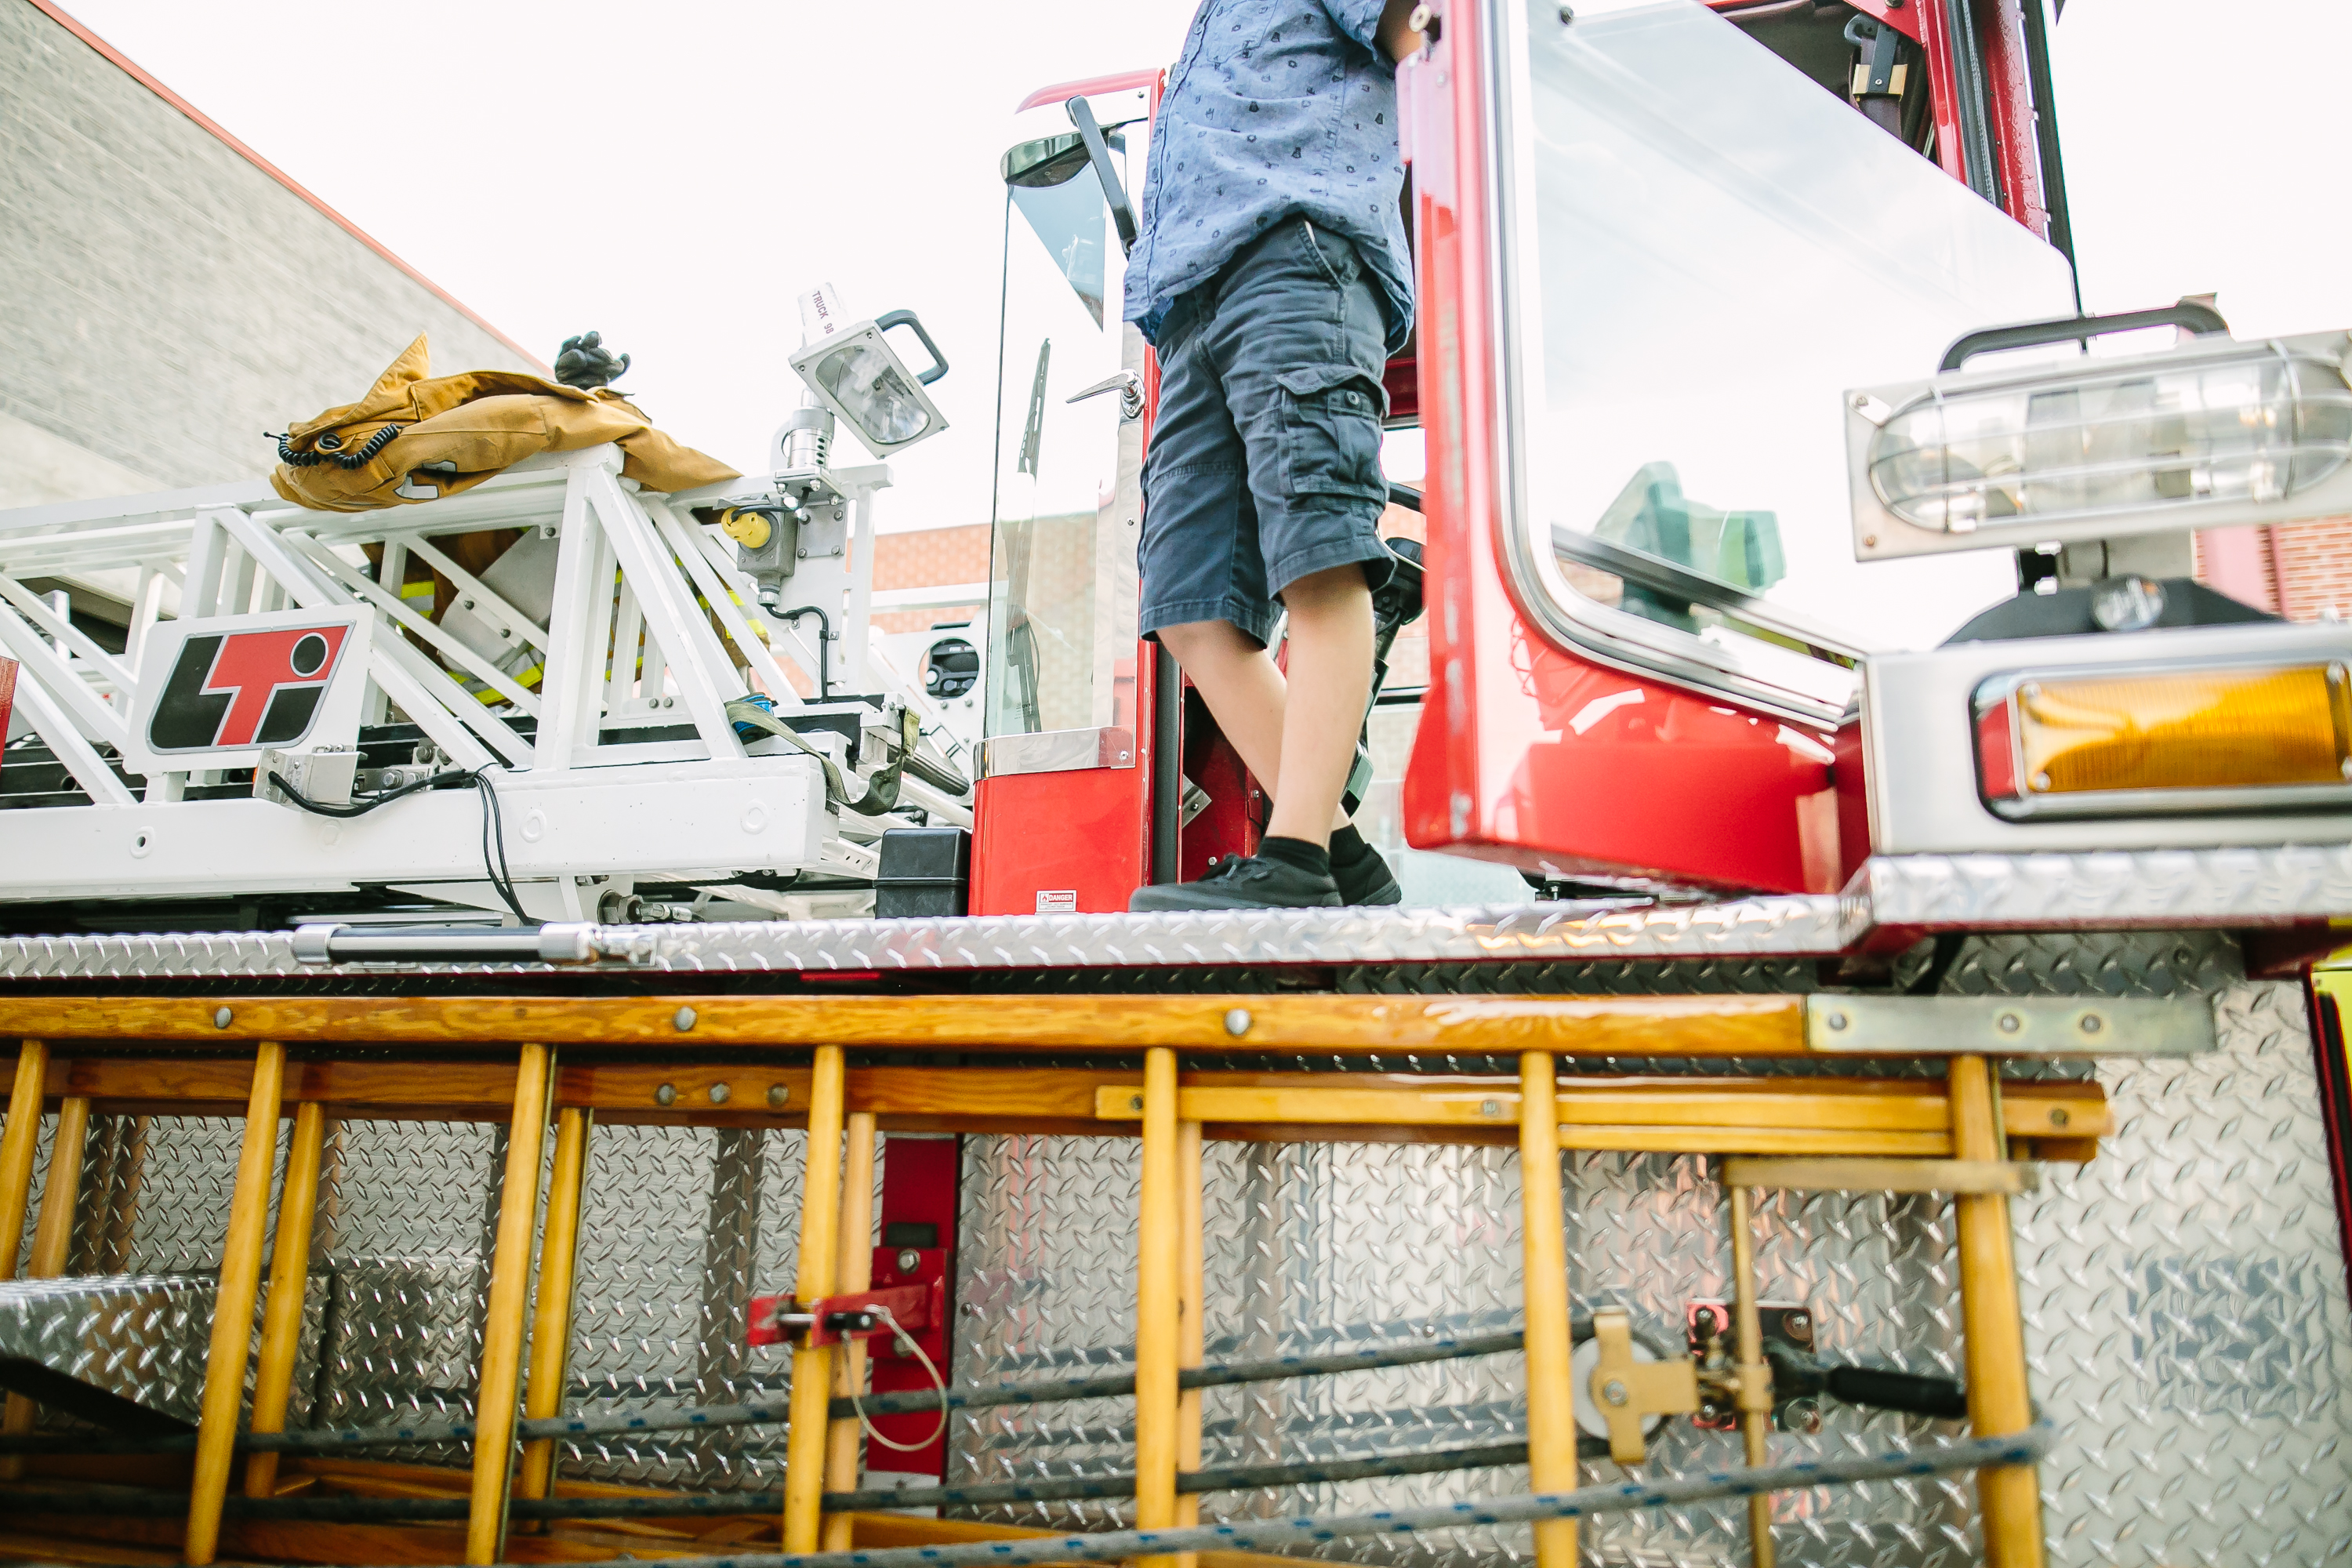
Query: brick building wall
167	296
2302	571
926	558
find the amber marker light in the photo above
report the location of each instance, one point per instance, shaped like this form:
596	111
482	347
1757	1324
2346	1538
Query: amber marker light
2148	741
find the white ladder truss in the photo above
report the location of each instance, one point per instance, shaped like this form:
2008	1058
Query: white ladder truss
649	625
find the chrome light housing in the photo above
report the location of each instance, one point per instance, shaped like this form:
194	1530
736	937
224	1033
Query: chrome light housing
2212	434
855	373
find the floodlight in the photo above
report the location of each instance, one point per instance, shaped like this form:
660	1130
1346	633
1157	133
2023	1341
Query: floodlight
856	374
2211	433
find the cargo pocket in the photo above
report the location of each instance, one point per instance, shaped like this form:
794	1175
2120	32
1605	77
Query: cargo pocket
1331	432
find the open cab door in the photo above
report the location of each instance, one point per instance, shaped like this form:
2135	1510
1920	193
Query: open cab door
1652	257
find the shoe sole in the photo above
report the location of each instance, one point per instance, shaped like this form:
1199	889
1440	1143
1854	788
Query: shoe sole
1161	900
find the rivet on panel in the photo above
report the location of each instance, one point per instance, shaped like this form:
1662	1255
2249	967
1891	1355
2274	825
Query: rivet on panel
1838	1021
2059	1115
1237	1022
777	1095
2009	1023
2093	1022
718	1093
666	1095
220	1016
683	1020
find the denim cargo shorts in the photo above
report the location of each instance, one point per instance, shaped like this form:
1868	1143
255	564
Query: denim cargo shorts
1266	455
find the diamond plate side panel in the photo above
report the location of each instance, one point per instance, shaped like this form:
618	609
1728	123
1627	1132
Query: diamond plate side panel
1310	1245
401	1244
1045	1283
680	1228
177	1209
1649	1233
2102	963
142	1337
2185	1312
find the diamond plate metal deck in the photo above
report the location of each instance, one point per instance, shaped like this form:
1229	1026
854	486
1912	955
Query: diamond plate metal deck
2177	889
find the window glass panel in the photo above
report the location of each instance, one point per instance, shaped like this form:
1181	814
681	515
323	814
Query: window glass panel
1719	250
1062	613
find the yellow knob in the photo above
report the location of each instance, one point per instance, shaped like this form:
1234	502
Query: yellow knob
748	529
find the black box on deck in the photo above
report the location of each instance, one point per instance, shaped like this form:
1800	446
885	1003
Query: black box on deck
926	873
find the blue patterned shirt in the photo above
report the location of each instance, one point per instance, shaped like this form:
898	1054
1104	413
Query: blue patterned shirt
1275	108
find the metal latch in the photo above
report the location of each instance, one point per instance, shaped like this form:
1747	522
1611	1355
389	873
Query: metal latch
1126	383
1626	1390
832	1319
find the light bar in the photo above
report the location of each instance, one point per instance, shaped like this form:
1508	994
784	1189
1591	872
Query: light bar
2212	434
2145	740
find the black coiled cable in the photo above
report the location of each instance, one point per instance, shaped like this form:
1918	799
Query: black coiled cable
331	450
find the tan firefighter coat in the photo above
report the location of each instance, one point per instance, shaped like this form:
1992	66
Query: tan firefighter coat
436	435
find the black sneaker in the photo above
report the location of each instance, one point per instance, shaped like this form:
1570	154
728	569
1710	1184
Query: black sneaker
1243	882
1366	880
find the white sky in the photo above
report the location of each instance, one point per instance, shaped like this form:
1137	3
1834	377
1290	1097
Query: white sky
672	174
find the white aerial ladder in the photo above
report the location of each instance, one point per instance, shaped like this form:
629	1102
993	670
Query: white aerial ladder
581	685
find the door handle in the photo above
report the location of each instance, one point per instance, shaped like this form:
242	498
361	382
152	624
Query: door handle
1126	383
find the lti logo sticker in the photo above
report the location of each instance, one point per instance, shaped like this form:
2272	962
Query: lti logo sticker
216	692
246	688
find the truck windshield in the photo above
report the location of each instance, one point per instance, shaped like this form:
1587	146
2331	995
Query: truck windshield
1708	251
1063	606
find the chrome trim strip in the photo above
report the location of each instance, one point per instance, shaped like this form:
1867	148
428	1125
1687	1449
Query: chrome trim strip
1056	751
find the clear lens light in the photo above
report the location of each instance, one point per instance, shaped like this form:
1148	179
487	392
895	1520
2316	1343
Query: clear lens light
871	391
2252	423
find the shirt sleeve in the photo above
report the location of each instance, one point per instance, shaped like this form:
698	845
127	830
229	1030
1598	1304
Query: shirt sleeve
1359	19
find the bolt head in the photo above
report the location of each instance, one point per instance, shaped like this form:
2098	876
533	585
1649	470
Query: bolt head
1237	1022
666	1095
719	1093
1838	1021
1614	1392
1799	1321
2009	1023
2093	1022
777	1095
909	1260
683	1019
2059	1115
1490	1107
220	1016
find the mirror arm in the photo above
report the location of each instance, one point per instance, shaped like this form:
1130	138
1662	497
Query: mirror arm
1082	115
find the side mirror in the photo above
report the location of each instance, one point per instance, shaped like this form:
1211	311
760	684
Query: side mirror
1049	161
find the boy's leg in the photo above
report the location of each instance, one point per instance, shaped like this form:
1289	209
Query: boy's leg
1248	697
1294	339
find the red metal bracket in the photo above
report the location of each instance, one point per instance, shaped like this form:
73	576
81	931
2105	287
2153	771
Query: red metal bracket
835	1319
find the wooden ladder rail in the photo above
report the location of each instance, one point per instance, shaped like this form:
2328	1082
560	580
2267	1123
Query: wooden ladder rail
1551	1392
559	1275
813	1277
1992	1327
498	1380
53	1238
233	1304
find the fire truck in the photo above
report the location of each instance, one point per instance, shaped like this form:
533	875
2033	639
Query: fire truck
628	1061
